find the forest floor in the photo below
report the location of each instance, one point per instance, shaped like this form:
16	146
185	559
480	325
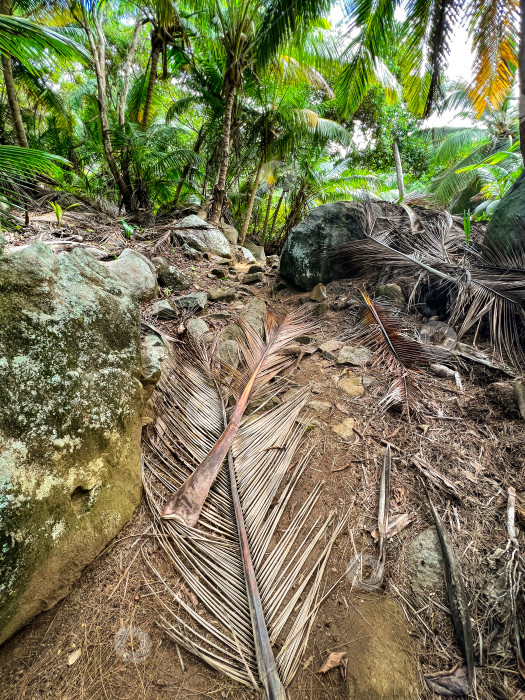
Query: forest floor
473	436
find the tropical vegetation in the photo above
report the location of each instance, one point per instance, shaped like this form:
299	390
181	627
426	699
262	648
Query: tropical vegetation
254	111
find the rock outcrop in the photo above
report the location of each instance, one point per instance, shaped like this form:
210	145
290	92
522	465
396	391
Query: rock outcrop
137	272
71	402
302	259
202	236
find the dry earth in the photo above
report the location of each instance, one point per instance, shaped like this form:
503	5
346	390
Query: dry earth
474	437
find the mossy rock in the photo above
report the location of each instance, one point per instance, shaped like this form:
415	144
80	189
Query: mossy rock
71	403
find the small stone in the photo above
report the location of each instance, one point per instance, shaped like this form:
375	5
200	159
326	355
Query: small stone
170	276
353	356
255	314
247	256
318	293
221	294
217	273
442	371
253	278
330	346
272	260
257	251
163	310
196	327
255	268
319	406
392	292
157	261
352	386
367	382
191	252
304	339
321	309
219	315
229	351
193	300
426	561
280	286
344	429
317	388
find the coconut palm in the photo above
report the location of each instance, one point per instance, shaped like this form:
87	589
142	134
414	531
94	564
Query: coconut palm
249	33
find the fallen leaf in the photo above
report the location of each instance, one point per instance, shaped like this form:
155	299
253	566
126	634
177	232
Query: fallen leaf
335	660
74	656
453	683
396	523
342	408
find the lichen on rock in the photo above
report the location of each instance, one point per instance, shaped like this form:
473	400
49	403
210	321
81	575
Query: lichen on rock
71	403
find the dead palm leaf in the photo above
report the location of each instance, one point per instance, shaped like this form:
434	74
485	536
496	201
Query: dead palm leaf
401	355
264	360
247	571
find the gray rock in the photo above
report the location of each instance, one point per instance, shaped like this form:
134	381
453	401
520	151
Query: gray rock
172	277
319	406
195	300
255	268
253	278
367	382
96	253
327	226
154	351
321	309
383	662
158	261
196	327
246	256
272	260
216	272
71	405
163	310
255	314
137	272
230	233
229	351
345	429
221	294
330	348
257	251
392	292
426	561
202	236
318	293
191	252
504	230
349	355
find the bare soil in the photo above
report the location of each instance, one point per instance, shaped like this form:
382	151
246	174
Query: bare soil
474	437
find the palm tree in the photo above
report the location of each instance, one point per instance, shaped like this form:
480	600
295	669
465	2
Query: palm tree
426	35
249	33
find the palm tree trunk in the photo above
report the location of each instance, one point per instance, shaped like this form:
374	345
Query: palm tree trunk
251	201
127	71
399	170
219	190
521	63
154	62
276	212
12	98
265	225
196	148
98	51
14	105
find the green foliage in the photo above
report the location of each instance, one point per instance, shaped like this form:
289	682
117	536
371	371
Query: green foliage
55	206
128	230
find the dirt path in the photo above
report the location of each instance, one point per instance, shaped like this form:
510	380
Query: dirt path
69	651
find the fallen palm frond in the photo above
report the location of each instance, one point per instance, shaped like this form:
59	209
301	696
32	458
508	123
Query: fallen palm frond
248	572
457	596
264	359
401	355
488	282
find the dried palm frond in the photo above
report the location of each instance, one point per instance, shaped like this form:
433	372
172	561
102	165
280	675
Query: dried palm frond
482	288
264	359
401	355
250	565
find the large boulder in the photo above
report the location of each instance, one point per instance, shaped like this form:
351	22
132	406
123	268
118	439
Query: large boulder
505	229
137	272
202	236
303	260
71	403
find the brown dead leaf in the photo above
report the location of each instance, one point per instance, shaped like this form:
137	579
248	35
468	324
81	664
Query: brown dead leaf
453	683
337	659
396	523
342	408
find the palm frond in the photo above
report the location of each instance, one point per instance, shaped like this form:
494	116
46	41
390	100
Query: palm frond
28	41
264	360
249	575
397	352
